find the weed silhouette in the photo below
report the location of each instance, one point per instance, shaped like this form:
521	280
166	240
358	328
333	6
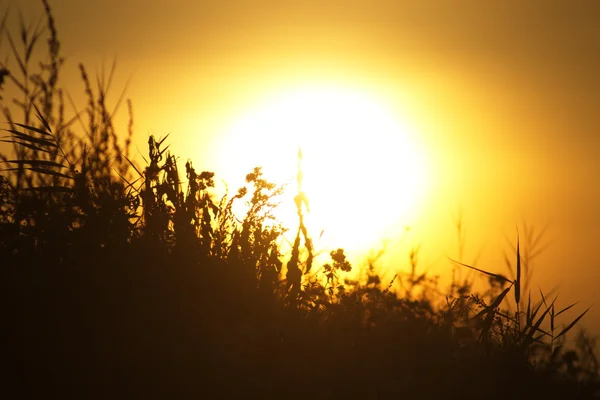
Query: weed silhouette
123	281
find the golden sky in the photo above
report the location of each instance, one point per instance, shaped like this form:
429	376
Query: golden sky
503	98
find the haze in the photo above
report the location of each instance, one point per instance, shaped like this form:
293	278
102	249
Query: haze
504	96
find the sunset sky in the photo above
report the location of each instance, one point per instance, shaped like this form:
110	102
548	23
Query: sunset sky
501	101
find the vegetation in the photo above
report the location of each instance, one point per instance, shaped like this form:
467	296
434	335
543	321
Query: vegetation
122	281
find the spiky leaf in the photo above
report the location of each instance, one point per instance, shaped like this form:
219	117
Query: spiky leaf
566	308
31	139
572	324
529	338
34	129
495	304
518	278
43	171
497	276
45	163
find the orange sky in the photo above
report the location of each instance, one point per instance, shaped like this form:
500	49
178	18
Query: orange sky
505	97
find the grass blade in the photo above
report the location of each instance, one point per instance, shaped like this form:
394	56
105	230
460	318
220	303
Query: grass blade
497	276
552	316
34	129
518	278
29	138
572	324
129	184
38	114
45	163
532	317
566	308
495	304
160	142
133	165
543	297
489	319
16	54
528	315
529	338
42	171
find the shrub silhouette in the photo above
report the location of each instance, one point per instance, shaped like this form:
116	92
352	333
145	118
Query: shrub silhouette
122	281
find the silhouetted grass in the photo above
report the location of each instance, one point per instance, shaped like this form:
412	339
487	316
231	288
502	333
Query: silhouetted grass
119	281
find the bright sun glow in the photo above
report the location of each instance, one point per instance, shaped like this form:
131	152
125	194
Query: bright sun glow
364	171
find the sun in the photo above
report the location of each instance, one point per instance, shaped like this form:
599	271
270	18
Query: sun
364	172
